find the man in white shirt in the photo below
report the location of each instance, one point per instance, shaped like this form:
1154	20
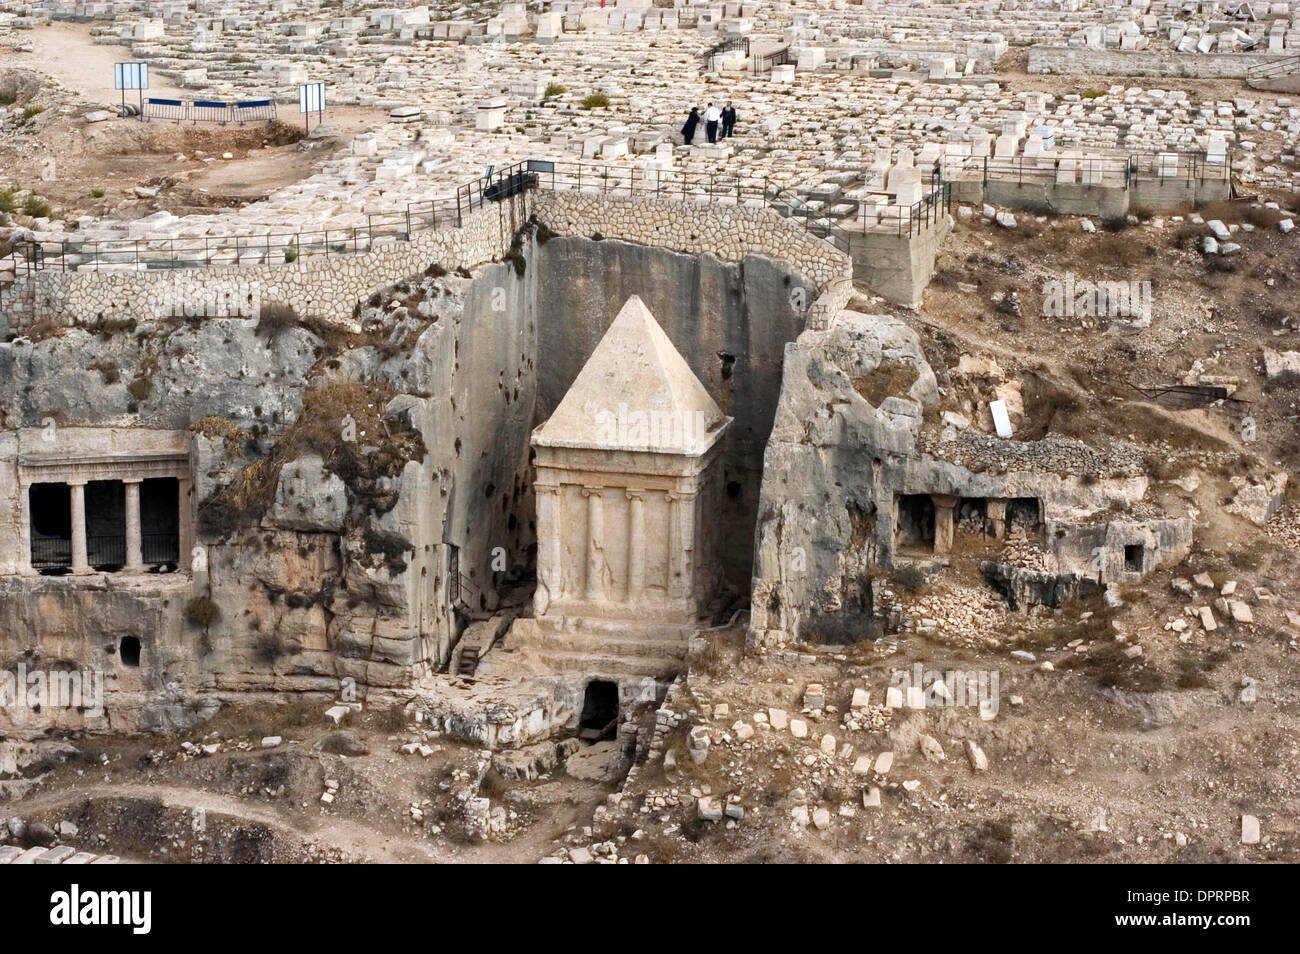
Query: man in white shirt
711	117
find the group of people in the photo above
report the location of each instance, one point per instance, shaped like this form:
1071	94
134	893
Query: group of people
713	118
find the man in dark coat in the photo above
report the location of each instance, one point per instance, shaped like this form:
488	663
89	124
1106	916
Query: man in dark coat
728	120
688	130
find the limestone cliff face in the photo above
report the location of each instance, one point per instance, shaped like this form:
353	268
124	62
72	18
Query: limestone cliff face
858	427
816	541
322	554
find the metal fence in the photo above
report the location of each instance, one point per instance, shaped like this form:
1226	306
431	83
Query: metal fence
208	111
160	547
270	247
51	552
1091	171
729	45
763	63
106	549
1274	68
856	214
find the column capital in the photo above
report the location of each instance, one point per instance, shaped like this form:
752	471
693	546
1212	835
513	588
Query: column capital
592	491
635	493
132	480
546	488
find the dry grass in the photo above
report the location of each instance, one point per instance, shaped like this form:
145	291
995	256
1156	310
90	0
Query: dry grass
320	429
231	435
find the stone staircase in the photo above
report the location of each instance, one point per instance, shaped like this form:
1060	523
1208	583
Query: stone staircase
601	648
58	855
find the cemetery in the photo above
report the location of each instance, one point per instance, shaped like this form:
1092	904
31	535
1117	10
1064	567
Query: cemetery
401	394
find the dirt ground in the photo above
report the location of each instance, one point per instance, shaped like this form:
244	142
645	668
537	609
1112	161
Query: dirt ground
130	168
110	788
1123	738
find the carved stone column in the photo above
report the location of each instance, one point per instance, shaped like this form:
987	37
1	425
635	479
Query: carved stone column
134	550
549	571
636	550
185	526
995	517
686	517
676	577
595	588
944	521
80	561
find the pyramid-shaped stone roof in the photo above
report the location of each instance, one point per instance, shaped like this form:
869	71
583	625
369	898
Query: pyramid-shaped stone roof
636	392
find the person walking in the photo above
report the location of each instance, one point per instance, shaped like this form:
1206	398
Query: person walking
711	116
728	120
688	129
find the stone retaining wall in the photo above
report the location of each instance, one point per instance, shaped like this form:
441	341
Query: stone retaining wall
324	286
330	286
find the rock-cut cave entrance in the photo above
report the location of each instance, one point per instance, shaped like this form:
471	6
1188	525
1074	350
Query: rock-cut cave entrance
599	711
915	522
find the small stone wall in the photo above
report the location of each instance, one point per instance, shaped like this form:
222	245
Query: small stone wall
326	286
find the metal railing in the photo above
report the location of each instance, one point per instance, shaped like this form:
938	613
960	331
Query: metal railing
1274	68
273	247
729	45
106	549
764	63
51	552
1094	171
465	592
841	217
208	111
160	547
270	247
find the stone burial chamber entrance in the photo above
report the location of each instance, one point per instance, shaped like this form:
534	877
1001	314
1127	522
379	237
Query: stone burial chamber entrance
104	525
92	505
599	718
916	522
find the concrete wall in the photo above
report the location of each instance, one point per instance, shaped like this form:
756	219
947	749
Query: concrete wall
1176	195
1097	201
897	267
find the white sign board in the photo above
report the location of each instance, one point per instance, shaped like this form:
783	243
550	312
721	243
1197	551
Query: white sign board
1000	419
130	76
311	98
